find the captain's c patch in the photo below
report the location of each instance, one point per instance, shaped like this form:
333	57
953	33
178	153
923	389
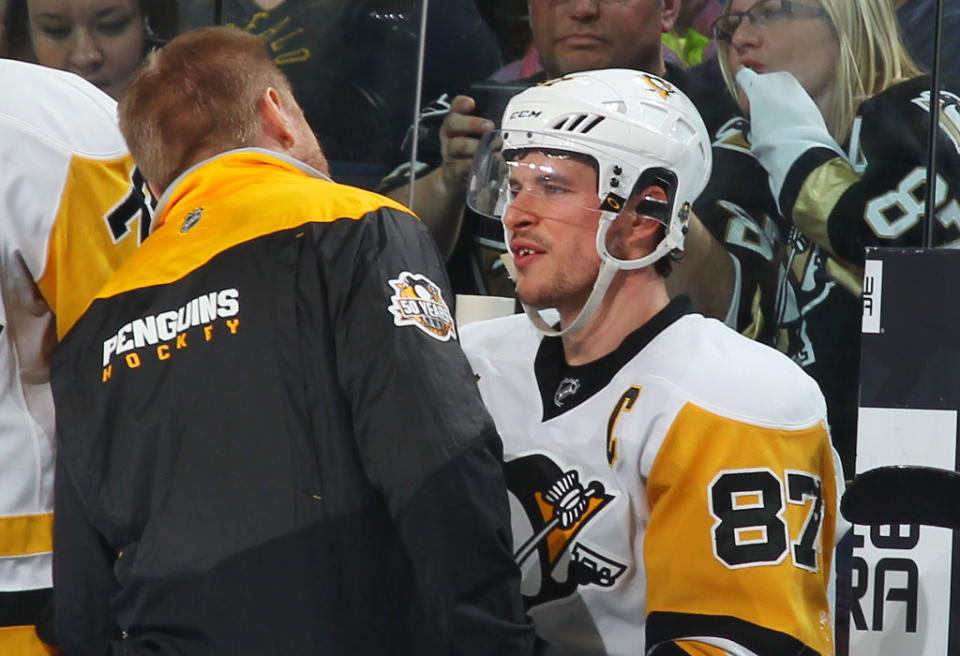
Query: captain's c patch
418	301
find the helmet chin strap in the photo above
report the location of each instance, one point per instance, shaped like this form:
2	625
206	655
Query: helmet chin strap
608	269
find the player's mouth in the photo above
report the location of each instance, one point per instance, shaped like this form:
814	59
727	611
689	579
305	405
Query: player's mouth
524	253
753	65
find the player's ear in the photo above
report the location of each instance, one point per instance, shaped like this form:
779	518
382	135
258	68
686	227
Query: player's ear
643	226
635	234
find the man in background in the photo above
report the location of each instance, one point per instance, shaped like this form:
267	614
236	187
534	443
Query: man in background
570	36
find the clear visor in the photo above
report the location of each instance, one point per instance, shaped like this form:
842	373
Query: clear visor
545	176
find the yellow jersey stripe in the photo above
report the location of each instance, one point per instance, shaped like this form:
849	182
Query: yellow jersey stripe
23	641
820	193
26	534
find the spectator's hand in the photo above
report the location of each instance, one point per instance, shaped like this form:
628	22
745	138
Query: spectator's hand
459	138
785	123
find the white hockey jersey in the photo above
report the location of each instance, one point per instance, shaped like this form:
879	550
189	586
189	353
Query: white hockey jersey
680	491
72	207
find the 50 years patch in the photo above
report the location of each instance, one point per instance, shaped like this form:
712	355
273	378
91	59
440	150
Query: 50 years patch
418	301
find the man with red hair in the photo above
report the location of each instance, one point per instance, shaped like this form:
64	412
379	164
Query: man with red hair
272	440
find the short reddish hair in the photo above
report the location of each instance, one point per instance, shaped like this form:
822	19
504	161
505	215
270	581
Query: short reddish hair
197	97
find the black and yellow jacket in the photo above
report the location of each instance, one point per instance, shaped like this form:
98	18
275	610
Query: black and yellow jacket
270	441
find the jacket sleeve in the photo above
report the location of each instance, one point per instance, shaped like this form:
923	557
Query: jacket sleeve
425	439
83	580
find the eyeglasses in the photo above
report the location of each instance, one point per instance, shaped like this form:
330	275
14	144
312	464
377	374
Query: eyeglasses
762	13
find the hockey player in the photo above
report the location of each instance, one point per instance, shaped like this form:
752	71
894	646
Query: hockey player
673	485
72	207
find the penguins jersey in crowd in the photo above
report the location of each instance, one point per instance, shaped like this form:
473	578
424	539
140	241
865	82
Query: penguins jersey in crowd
306	466
71	209
800	282
679	492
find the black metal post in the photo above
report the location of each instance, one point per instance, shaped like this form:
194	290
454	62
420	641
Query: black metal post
930	208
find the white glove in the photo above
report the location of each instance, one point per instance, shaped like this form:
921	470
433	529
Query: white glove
785	123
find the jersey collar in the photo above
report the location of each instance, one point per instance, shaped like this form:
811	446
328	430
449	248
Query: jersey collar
563	386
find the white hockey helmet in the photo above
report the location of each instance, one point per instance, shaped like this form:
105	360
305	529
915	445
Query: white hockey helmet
635	126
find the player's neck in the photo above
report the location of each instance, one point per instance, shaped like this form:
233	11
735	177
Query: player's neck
633	298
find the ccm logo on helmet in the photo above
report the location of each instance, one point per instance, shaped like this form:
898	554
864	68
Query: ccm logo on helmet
525	113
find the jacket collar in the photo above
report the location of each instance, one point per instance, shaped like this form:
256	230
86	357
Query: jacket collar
194	177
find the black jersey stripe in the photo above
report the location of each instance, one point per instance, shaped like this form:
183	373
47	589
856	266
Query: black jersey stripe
663	627
23	607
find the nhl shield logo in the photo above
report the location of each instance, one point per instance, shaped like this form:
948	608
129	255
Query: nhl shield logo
192	219
418	301
567	388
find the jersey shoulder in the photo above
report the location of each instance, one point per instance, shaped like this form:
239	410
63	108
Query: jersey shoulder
714	367
508	339
895	122
71	205
34	103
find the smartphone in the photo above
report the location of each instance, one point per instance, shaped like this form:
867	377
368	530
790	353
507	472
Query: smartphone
492	97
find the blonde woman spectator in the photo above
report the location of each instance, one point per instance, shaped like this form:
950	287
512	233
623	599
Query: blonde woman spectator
838	115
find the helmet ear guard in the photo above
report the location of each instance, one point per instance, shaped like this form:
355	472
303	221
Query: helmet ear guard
675	230
656	209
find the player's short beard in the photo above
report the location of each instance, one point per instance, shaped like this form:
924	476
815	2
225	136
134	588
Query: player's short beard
561	293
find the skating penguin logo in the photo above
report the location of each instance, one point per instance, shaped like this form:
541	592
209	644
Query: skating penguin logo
558	506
